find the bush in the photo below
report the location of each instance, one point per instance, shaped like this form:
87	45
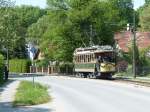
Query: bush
19	65
145	60
1	67
42	63
66	67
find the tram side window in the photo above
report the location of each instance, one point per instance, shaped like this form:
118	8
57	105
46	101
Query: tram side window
78	59
88	57
84	59
75	59
92	57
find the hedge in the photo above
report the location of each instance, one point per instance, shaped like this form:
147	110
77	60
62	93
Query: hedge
19	66
66	68
1	67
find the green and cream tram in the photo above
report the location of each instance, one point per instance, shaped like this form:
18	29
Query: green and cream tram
94	62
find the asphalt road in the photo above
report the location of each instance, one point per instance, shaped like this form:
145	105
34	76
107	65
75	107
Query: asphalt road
87	95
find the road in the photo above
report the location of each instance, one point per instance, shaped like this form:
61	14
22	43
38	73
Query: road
87	95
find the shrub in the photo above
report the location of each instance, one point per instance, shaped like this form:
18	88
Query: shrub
19	65
42	63
66	67
145	60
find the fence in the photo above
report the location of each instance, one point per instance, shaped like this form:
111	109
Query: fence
52	69
44	70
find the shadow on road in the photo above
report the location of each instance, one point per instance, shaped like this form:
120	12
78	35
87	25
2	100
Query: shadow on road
26	75
5	107
2	87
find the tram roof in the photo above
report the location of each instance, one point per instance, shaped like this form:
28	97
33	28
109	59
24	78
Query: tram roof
94	49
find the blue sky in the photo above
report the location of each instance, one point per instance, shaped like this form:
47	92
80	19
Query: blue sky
42	3
138	3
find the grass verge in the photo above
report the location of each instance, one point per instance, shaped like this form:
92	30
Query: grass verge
29	94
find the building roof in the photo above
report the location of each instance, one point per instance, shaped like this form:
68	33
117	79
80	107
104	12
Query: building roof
124	40
93	49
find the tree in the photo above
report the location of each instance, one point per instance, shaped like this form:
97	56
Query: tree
147	2
58	4
144	19
1	68
71	23
6	3
70	28
14	23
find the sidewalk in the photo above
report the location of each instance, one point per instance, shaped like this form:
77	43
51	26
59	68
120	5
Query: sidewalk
7	94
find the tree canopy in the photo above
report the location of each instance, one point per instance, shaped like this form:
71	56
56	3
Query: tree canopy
6	3
14	22
71	23
64	26
147	1
144	18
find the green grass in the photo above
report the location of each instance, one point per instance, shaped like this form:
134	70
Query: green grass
29	94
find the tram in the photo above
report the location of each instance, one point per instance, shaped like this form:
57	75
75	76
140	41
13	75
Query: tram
94	62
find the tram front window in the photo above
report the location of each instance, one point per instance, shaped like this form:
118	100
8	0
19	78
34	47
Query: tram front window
107	59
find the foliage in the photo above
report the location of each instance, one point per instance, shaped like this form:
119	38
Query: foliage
29	94
1	67
65	26
58	4
42	63
66	67
19	66
70	24
6	3
147	2
144	18
125	9
14	22
142	60
145	60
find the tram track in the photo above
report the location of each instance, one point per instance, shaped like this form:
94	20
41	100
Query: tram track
118	79
133	81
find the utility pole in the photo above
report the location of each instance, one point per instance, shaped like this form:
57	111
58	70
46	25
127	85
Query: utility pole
134	42
132	28
7	58
91	35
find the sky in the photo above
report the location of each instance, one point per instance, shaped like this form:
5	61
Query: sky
42	3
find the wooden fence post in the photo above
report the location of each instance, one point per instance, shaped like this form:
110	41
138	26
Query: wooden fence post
36	69
42	70
49	72
30	69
